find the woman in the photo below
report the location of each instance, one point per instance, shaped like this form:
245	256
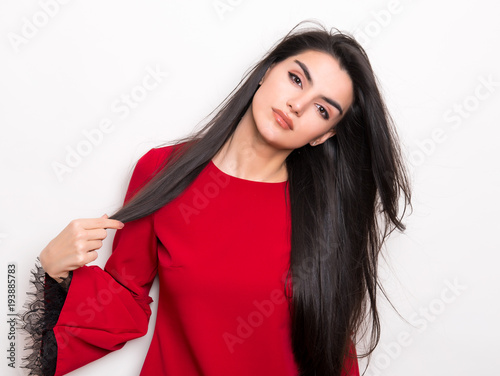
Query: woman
264	227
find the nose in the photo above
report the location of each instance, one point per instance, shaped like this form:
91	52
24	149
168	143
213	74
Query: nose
297	105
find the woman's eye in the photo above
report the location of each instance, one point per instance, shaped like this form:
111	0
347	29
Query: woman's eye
295	78
323	112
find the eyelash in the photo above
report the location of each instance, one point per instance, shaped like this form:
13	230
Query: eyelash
324	114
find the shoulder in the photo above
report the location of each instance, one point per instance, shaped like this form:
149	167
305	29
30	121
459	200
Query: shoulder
148	165
154	159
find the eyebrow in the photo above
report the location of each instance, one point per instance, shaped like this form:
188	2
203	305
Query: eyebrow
309	78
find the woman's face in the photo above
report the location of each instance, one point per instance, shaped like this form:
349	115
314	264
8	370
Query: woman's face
310	91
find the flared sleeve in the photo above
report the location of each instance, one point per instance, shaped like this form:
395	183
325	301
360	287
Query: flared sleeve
95	311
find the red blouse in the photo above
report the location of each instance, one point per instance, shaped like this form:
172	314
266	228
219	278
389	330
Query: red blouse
221	250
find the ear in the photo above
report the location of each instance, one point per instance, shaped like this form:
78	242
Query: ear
323	138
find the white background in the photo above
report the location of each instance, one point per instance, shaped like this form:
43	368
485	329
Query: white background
432	58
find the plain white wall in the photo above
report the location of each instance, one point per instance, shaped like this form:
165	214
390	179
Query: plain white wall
64	70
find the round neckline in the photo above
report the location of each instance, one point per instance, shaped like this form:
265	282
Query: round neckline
235	178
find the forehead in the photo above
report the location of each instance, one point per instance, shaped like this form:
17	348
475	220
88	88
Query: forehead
326	73
315	57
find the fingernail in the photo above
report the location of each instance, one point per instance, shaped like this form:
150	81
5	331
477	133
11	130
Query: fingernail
122	224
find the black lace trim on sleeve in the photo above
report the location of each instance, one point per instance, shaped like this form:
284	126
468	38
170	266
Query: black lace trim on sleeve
42	309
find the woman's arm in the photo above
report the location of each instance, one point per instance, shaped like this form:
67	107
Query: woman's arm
95	311
64	282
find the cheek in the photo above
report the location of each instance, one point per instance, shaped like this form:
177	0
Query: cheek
261	96
270	94
260	103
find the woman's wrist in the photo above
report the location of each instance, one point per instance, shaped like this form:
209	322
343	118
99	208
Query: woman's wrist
60	278
63	281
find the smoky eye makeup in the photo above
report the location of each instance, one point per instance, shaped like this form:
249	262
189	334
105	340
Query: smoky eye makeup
306	72
324	114
294	77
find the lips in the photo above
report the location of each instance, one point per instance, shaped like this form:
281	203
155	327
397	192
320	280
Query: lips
283	118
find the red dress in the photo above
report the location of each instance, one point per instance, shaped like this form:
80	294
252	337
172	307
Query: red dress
221	250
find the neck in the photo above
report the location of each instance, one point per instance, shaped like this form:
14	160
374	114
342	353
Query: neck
248	156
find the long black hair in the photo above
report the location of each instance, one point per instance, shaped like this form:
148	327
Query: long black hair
344	196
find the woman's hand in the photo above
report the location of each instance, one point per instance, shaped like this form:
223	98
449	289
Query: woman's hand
76	245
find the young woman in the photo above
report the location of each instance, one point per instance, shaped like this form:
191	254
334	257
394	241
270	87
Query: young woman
264	228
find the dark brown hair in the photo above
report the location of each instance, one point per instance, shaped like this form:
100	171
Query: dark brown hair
344	196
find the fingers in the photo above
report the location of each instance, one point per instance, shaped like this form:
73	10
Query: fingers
84	259
96	234
100	223
91	256
77	243
93	245
87	253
